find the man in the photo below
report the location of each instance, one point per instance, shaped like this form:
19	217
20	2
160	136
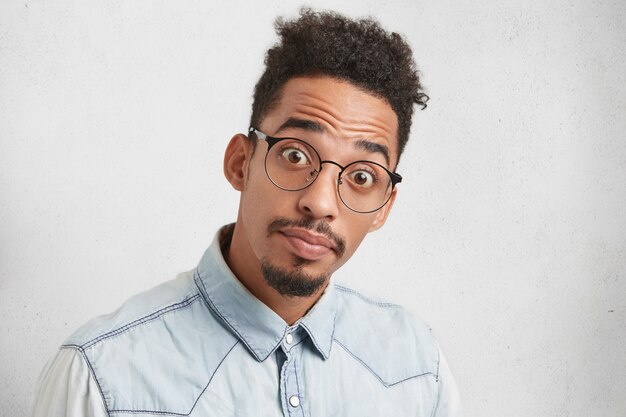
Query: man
256	329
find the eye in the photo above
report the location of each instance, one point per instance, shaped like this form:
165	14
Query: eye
362	178
294	156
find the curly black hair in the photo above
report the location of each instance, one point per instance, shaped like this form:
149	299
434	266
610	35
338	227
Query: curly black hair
359	51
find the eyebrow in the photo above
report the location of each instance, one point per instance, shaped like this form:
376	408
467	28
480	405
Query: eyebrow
303	124
311	126
373	147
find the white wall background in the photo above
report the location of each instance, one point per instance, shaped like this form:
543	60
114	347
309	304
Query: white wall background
508	236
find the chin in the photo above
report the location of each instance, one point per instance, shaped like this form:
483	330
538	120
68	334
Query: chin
294	281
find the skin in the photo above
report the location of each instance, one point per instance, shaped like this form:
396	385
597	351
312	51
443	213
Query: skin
348	116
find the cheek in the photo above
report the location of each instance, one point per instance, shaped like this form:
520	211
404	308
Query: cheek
356	230
262	202
262	198
257	192
353	234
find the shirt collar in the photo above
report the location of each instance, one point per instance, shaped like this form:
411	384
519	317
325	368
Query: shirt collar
255	324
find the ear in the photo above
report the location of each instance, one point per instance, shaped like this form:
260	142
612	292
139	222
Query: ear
236	161
383	213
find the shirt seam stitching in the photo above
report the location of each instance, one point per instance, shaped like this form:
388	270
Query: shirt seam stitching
214	308
365	298
295	371
92	372
145	319
436	404
324	353
283	382
386	384
195	402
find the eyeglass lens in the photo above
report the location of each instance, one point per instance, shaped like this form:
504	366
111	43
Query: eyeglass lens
292	164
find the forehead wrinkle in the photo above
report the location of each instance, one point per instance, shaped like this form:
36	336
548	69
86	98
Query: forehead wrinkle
359	122
342	126
317	107
364	133
378	130
337	120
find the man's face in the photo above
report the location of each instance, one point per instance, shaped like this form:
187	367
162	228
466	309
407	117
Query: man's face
308	234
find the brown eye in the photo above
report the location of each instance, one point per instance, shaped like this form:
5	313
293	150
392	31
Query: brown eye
363	179
360	178
295	156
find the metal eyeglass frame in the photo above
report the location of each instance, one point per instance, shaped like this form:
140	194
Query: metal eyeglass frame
271	141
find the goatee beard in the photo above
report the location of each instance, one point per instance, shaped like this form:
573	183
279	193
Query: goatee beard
294	283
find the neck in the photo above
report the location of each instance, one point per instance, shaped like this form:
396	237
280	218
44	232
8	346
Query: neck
246	267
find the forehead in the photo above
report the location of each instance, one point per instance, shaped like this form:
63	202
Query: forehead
342	111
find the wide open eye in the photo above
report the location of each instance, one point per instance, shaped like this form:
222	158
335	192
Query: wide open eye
295	156
362	178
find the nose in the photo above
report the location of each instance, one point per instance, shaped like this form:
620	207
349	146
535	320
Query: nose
320	200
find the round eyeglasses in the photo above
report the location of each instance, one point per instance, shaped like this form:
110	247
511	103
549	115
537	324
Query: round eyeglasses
291	164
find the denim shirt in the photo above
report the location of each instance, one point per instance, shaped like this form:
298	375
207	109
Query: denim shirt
202	345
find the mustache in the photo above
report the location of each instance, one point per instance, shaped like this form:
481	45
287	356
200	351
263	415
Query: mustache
306	223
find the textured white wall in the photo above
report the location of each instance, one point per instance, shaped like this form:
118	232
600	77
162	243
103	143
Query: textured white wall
508	236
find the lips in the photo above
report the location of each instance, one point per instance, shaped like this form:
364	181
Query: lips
307	245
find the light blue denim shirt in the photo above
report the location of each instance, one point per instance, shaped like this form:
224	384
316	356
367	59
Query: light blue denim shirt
202	345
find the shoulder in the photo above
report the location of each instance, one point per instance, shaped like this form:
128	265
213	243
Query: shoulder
161	345
154	304
66	384
381	316
385	337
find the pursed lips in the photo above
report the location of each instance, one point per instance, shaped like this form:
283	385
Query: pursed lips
310	238
308	245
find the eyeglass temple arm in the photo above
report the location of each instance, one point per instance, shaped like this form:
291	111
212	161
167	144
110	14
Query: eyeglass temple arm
260	135
395	178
